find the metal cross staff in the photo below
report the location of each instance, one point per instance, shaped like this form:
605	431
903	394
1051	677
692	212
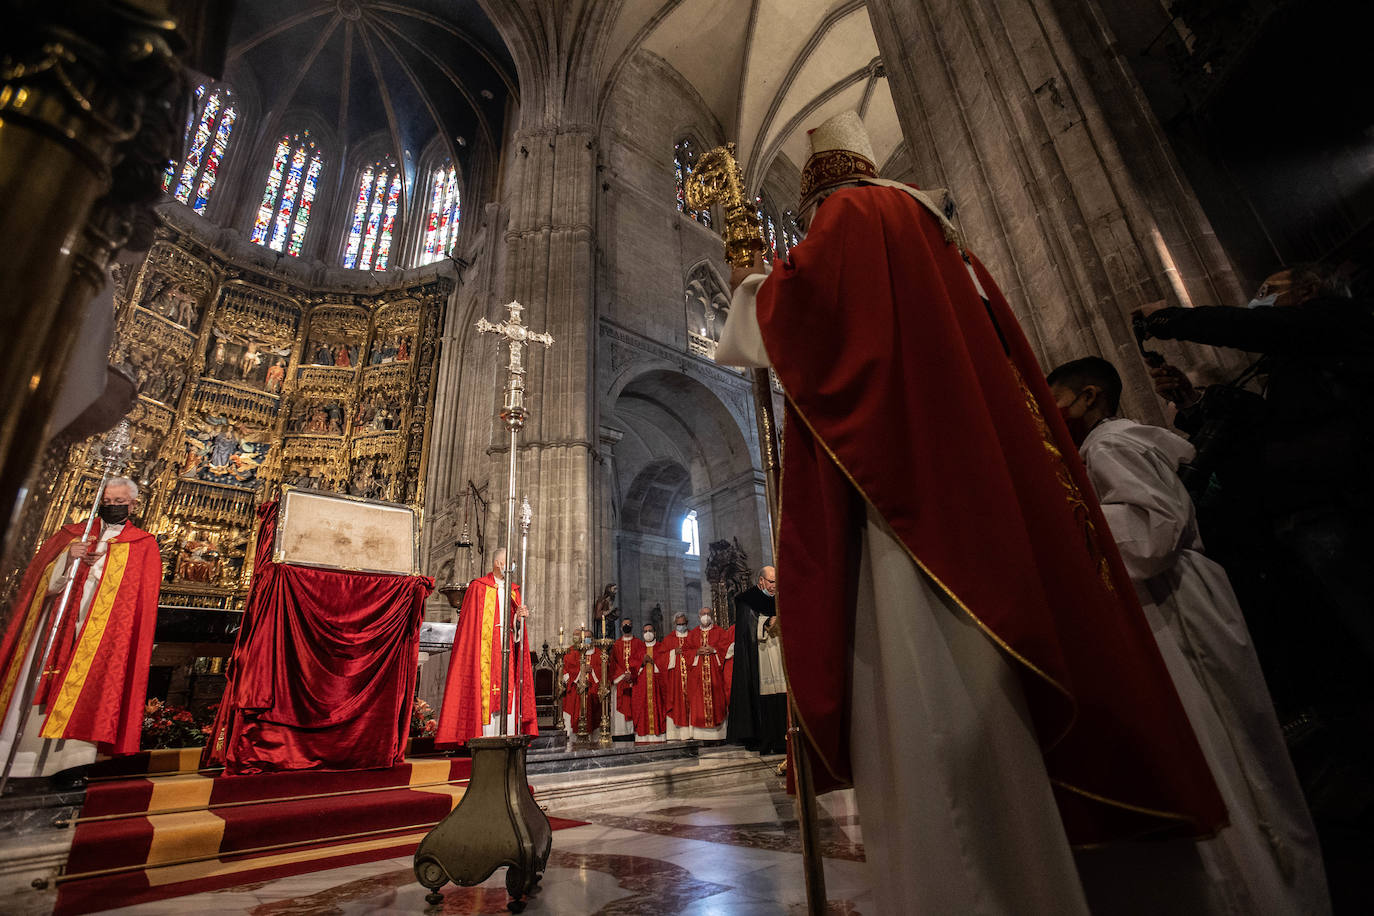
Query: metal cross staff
513	413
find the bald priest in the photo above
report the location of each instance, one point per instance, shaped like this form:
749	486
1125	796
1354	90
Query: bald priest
94	682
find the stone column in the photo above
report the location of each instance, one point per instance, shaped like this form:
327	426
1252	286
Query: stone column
999	104
548	268
607	557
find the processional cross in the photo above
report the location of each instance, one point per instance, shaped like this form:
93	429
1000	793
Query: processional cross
513	413
497	806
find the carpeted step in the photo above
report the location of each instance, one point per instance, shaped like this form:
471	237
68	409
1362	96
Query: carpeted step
141	795
140	840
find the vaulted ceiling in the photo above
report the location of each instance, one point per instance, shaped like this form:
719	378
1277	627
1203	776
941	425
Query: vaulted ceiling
409	69
768	69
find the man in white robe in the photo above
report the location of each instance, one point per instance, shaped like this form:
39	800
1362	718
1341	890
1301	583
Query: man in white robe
1268	860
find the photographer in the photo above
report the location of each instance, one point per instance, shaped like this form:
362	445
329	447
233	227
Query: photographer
1290	500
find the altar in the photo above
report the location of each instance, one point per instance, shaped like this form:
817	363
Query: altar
322	675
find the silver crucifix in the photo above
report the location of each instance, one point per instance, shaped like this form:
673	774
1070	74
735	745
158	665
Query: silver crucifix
518	336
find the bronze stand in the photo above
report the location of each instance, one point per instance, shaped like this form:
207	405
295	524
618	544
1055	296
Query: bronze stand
498	822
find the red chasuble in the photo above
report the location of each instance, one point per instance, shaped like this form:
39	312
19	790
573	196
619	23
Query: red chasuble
572	702
650	691
98	678
908	392
626	657
706	690
676	705
472	694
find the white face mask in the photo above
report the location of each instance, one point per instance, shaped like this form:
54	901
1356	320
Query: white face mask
648	636
681	628
705	620
1262	302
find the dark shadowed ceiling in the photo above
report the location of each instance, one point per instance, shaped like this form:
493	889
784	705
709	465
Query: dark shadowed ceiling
408	68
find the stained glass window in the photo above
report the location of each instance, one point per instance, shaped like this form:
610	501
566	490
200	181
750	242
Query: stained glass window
292	181
445	209
684	159
790	229
192	181
772	239
374	216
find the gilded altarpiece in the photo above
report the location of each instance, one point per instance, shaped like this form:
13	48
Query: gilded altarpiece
246	382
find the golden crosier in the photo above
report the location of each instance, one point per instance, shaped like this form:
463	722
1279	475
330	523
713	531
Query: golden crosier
716	178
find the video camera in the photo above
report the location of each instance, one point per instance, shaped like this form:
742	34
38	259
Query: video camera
1223	417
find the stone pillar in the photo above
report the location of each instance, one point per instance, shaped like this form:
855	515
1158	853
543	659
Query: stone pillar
549	269
607	558
1000	105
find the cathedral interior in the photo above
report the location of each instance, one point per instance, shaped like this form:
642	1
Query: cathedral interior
350	185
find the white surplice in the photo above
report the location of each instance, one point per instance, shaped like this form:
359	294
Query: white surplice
1268	859
32	759
955	804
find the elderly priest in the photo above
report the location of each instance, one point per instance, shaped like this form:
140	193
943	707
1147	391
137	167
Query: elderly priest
91	694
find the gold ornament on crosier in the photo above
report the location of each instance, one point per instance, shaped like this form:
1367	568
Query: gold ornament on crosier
716	178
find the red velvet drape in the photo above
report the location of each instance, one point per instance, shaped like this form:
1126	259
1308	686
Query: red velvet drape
322	675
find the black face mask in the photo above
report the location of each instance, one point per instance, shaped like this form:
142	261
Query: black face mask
626	629
113	515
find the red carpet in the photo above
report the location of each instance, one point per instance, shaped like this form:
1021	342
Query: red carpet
153	837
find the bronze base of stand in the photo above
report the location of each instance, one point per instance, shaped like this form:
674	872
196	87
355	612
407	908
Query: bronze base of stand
497	823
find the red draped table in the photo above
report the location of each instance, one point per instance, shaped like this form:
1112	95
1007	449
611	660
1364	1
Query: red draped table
322	674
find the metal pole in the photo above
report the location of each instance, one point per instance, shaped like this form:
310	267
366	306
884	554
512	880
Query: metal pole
512	421
526	515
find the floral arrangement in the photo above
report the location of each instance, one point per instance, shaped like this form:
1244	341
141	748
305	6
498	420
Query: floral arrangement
422	721
168	725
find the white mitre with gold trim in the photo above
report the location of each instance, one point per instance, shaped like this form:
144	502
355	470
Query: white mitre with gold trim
841	152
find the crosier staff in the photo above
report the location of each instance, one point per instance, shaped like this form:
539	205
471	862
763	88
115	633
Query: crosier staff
716	178
115	452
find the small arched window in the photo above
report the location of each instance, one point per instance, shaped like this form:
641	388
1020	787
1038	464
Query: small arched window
192	181
684	160
374	216
445	210
691	534
284	214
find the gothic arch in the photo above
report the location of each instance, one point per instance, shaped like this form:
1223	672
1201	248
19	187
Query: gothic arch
679	447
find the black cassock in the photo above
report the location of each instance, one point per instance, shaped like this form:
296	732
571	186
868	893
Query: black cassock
756	721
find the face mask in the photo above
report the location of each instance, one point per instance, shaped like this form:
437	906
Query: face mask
705	620
1078	429
648	636
681	628
626	629
113	515
1263	301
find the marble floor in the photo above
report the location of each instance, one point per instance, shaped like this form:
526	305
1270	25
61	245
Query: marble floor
731	851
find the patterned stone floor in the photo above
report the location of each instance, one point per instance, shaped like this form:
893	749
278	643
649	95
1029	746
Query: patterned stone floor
733	852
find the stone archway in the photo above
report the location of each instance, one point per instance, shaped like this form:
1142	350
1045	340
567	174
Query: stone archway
680	449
